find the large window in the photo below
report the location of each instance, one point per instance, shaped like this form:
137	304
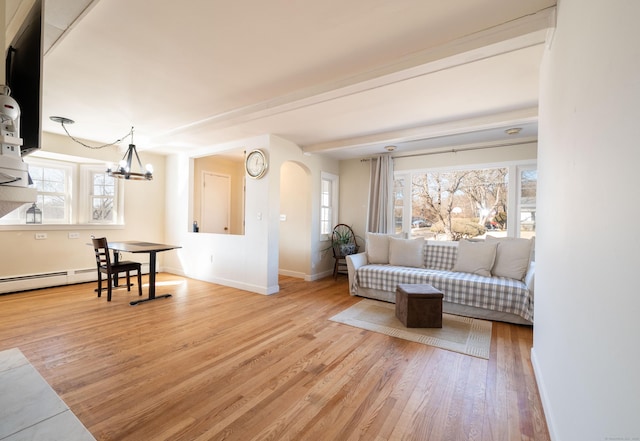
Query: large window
466	203
69	193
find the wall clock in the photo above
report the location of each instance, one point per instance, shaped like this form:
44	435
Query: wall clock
256	164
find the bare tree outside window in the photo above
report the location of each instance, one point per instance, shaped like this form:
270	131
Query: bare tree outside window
103	197
460	204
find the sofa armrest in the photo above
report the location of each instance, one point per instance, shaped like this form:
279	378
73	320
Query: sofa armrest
529	279
354	261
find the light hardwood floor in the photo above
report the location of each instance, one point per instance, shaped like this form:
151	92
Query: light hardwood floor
215	363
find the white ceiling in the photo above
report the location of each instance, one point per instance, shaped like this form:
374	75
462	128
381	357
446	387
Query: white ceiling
341	78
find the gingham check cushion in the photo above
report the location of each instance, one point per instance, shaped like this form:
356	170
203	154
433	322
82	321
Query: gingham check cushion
440	256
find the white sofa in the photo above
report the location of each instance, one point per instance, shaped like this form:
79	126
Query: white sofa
491	279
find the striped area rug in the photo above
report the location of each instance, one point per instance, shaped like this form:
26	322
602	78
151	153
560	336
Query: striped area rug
459	334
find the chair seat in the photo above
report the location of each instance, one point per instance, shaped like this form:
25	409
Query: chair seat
124	265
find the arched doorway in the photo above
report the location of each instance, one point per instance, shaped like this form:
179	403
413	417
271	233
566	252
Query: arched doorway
295	220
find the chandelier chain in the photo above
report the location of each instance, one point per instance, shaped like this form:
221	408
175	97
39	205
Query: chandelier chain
130	134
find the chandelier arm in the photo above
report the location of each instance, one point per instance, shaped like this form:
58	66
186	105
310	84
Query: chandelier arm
135	150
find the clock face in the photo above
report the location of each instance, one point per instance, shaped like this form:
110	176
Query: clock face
256	164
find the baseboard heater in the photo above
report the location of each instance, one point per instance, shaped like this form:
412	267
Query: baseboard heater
47	280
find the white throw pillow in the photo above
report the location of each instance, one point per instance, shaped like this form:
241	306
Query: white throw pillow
377	248
512	257
406	252
475	257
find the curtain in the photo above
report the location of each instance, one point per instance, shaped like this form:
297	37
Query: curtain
380	216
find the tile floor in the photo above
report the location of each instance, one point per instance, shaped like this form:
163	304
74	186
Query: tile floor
29	408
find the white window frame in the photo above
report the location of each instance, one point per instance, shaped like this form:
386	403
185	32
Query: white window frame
332	205
519	206
406	200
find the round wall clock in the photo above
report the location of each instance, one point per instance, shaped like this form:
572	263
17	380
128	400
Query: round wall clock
256	164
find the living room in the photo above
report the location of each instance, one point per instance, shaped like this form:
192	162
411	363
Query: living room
587	107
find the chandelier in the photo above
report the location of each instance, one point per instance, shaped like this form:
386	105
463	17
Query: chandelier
126	168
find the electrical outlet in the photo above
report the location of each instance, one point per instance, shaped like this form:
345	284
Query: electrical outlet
74	235
40	236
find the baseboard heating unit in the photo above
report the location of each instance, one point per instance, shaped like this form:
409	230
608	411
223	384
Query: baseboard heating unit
46	280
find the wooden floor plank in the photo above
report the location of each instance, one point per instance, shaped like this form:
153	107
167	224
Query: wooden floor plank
214	362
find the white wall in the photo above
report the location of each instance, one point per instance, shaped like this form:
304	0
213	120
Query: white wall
586	352
248	262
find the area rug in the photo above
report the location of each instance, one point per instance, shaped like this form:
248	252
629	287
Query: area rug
459	334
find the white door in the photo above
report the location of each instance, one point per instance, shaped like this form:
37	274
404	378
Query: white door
216	199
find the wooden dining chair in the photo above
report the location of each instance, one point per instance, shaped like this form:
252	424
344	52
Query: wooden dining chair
111	269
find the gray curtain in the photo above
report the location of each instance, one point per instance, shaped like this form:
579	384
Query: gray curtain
380	216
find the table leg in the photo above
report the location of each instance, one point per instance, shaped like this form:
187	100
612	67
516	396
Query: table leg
152	281
116	259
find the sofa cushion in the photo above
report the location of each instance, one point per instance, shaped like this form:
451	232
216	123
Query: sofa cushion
406	252
440	255
377	247
512	257
475	257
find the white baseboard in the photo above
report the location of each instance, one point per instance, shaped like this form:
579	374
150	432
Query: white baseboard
318	276
544	397
306	277
288	273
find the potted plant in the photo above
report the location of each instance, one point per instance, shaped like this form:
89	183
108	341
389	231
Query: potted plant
343	241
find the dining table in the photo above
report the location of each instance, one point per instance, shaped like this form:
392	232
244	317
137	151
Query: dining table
150	248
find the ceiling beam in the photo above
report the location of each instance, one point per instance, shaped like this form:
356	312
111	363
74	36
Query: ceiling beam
469	125
516	34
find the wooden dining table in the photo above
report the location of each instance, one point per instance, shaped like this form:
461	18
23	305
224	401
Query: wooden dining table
150	248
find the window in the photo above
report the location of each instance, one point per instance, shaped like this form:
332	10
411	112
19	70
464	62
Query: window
52	179
401	204
527	184
102	197
328	204
71	193
99	203
465	203
53	182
